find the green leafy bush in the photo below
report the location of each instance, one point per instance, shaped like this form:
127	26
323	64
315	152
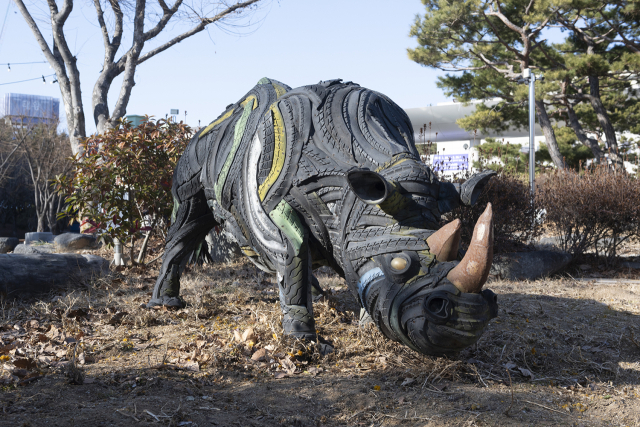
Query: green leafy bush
595	210
122	180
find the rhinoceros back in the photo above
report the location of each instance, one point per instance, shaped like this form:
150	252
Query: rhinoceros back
222	143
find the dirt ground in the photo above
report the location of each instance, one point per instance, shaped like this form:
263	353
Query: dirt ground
562	352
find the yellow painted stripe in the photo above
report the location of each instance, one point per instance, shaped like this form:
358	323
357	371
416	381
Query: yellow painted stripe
217	122
279	152
387	166
249	98
279	90
237	137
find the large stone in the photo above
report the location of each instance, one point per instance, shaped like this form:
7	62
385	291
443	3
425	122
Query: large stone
74	241
38	236
222	247
8	244
44	248
37	273
529	265
551	242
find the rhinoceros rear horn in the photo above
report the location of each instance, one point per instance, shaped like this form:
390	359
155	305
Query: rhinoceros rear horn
445	242
369	186
472	272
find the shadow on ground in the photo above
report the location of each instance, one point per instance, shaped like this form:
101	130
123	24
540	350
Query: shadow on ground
560	353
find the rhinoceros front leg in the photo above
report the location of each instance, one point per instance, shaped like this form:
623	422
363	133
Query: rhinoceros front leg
192	223
296	299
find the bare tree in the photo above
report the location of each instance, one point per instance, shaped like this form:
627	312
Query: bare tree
8	150
46	155
148	21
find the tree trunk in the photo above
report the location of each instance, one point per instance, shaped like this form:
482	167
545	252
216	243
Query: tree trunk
574	123
549	135
605	122
42	224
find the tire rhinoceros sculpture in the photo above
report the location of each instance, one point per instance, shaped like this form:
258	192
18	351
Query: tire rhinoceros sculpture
328	174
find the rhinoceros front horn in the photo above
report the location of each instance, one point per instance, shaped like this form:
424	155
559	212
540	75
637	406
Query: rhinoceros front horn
472	272
369	186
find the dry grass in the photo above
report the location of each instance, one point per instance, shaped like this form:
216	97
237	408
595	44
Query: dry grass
560	352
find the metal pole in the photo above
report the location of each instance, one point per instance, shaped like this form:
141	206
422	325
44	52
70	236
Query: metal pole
532	131
117	252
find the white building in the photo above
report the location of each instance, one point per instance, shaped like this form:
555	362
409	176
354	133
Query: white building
455	146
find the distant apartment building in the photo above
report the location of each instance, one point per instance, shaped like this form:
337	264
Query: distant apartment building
28	110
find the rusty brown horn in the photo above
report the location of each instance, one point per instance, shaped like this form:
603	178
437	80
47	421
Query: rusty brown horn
472	272
445	242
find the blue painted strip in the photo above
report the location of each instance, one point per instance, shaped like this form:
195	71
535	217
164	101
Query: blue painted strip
366	279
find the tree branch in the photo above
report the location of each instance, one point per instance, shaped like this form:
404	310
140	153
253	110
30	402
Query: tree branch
196	29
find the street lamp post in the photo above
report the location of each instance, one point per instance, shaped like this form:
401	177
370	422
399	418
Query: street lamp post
530	78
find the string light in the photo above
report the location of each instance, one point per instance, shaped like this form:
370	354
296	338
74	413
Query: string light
28	80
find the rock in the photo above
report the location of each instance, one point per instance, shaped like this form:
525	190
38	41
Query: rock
23	249
46	237
74	241
8	244
37	273
529	265
548	243
222	247
260	355
634	265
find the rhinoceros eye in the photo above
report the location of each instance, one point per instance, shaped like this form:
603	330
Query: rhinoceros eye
399	263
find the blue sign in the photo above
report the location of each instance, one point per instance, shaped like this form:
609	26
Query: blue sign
450	162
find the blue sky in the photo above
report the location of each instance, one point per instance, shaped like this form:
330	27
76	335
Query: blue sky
296	41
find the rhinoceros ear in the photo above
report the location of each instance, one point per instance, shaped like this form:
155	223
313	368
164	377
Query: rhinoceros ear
370	187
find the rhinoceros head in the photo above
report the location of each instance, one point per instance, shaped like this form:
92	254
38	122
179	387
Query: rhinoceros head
413	287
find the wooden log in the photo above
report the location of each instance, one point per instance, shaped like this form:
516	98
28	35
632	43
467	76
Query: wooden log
22	274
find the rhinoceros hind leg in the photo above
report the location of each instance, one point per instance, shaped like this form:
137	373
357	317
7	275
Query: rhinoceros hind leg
187	233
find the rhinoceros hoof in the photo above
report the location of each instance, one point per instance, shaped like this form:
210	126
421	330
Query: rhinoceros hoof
165	301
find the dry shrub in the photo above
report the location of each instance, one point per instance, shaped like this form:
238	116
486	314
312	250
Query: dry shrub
514	216
597	210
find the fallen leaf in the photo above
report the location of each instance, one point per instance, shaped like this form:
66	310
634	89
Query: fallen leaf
314	370
260	355
280	375
408	381
25	363
249	335
53	332
189	366
117	318
7	348
237	336
288	365
526	373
